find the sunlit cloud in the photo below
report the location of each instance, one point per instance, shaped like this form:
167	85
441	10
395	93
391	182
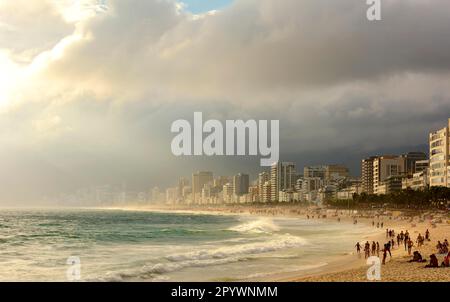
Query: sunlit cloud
75	11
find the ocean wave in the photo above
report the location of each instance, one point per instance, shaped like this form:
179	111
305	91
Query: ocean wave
263	225
155	272
278	243
206	258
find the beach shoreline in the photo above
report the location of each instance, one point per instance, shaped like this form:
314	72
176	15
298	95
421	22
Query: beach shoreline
350	267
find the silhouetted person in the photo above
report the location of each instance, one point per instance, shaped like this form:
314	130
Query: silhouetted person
433	262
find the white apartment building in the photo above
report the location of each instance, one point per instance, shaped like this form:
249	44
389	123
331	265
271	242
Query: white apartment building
419	181
263	178
228	192
348	192
439	157
384	167
266	192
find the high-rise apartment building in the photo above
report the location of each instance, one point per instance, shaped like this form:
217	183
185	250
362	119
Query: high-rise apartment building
182	183
314	171
422	165
266	195
262	179
221	181
439	157
228	192
367	174
199	180
386	166
410	161
283	177
241	184
333	172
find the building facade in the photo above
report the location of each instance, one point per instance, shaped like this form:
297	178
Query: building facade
263	178
410	161
419	181
422	165
334	172
199	180
266	194
241	184
314	171
439	157
385	167
283	177
367	174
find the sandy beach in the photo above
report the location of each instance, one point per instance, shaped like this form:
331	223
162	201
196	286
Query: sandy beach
397	268
353	267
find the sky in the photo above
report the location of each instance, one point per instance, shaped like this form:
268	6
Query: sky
202	6
90	88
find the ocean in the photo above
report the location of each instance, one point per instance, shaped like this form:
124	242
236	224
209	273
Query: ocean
116	245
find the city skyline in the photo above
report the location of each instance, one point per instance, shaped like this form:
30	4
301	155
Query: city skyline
283	182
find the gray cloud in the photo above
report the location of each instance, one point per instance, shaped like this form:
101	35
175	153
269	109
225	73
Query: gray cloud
100	111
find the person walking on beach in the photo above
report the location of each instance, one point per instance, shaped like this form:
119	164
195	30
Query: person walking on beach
410	245
367	250
358	248
384	254
388	248
392	243
382	224
398	239
406	240
378	249
374	248
419	240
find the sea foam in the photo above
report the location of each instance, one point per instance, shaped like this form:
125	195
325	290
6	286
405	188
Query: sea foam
263	225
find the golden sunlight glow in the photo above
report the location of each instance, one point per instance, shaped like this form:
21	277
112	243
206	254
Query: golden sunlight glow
74	11
9	72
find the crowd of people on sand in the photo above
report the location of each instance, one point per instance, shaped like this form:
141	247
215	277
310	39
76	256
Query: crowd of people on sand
404	239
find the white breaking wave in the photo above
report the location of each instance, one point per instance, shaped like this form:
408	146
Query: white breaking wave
279	243
263	225
154	272
208	257
213	255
